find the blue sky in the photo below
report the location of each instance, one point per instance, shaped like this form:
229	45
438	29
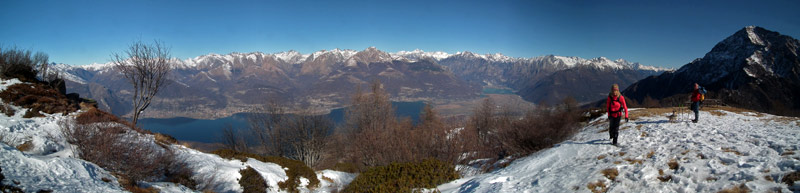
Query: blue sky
668	33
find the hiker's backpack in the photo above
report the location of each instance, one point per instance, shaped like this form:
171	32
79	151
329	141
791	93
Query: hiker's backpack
702	94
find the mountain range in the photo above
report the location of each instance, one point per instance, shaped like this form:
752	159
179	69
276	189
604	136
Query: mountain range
754	68
217	85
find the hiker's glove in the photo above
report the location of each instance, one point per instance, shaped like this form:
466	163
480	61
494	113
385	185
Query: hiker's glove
626	120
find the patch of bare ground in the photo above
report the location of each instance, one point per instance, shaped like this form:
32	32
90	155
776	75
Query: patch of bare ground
741	188
610	173
597	187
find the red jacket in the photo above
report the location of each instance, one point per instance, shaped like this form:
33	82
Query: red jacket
615	107
695	95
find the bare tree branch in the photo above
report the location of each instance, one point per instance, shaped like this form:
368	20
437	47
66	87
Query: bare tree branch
146	67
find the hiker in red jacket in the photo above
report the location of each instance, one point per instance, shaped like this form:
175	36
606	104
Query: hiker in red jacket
615	106
696	98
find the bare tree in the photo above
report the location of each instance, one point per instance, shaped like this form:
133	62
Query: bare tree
264	127
305	137
40	60
146	67
232	140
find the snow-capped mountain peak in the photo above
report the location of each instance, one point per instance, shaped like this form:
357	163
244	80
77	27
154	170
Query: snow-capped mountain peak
753	36
418	54
291	56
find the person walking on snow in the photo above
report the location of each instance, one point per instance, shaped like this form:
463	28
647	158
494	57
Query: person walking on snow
615	106
696	97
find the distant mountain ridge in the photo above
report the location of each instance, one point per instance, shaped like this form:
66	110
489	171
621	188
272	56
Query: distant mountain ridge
217	85
754	68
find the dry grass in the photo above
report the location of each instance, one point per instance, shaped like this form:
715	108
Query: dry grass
663	178
634	161
601	157
716	113
326	178
741	188
711	178
597	187
786	153
784	120
165	139
622	153
610	173
27	146
768	178
731	150
685	152
649	112
731	109
673	164
38	97
617	162
651	154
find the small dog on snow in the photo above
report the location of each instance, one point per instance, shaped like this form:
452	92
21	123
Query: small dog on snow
672	116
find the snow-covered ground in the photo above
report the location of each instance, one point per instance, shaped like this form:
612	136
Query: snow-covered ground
50	163
723	150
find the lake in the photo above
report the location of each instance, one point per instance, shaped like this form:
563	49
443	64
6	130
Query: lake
210	131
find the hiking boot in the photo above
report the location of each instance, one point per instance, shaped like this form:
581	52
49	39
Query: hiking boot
694	121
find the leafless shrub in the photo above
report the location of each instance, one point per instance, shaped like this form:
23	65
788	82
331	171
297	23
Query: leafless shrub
20	64
232	139
264	127
119	150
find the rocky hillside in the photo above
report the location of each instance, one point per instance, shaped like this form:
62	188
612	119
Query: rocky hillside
754	68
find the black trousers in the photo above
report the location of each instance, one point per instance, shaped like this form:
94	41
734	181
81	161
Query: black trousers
696	109
613	130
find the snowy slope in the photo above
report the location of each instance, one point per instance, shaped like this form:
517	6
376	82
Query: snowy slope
51	165
723	150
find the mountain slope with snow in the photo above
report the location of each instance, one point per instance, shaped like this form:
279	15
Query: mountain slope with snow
754	68
49	162
725	149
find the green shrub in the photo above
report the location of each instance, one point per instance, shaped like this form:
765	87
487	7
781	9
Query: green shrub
403	177
346	167
296	169
252	181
